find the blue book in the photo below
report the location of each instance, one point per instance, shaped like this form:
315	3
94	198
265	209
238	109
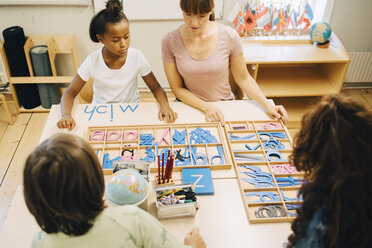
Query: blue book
201	178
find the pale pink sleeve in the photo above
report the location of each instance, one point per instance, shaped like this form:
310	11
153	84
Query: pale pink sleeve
166	49
236	43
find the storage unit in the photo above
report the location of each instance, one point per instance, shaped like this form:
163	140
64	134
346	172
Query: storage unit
296	70
57	44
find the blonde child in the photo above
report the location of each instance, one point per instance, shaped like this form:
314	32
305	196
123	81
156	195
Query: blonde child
64	188
114	68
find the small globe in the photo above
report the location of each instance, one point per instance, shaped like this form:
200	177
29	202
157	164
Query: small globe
126	187
320	32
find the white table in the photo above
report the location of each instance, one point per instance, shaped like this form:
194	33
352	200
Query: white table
221	217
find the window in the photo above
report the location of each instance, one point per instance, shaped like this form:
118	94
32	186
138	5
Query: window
278	19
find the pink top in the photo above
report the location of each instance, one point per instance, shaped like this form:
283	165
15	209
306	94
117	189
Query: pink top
207	78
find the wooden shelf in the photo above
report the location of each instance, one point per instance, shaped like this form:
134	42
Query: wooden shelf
296	68
294	81
41	80
287	51
57	44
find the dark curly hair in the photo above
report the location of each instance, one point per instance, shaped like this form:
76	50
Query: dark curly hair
64	185
111	14
334	149
198	7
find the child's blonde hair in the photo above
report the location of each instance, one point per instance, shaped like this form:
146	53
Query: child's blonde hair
64	185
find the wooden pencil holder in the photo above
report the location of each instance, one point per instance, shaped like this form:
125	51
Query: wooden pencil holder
171	182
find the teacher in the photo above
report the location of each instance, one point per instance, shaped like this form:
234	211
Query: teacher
198	57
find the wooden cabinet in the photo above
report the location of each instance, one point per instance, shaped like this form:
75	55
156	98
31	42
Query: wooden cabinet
294	72
57	44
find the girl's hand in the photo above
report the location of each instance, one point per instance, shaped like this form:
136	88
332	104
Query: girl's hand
278	111
66	122
214	114
167	114
194	239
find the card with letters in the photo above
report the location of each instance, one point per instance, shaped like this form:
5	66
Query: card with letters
201	178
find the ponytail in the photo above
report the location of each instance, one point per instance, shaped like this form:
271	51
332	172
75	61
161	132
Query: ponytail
112	14
211	17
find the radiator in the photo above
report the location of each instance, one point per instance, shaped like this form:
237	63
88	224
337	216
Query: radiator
360	69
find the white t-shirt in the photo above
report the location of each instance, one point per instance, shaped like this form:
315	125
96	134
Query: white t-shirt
115	85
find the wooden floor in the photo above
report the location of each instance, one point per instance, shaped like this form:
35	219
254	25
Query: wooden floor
19	139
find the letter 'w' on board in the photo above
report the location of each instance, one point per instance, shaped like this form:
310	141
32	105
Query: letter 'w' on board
130	107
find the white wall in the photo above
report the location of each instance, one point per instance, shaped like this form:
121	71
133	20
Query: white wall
351	21
147	36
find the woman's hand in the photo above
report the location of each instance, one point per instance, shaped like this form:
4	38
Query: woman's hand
167	114
66	122
194	239
214	114
278	111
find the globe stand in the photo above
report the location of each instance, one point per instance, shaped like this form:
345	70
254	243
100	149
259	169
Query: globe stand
323	45
163	182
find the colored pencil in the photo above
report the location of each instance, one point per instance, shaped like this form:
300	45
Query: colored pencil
171	164
162	168
158	169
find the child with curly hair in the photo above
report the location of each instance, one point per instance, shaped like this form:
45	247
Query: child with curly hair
334	149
